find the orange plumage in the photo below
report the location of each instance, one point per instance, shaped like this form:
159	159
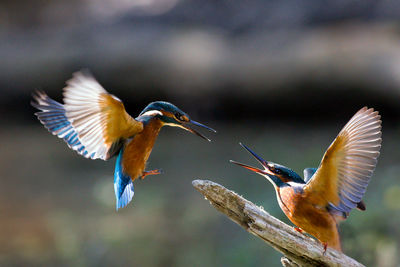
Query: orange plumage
306	212
328	194
138	150
96	125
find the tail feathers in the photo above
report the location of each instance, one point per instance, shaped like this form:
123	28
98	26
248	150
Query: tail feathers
124	193
53	117
123	185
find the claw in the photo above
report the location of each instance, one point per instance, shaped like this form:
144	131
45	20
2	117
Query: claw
299	230
325	247
152	172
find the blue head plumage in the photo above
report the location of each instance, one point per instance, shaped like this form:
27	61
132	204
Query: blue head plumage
277	174
170	115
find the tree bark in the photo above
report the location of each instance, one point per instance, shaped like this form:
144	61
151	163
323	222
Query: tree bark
298	249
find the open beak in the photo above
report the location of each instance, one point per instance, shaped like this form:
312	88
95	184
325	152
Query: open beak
187	127
254	169
263	162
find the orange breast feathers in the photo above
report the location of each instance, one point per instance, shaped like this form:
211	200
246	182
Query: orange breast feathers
288	200
310	217
138	150
302	209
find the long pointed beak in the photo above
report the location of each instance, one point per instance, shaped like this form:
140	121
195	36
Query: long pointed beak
254	169
187	127
202	125
263	162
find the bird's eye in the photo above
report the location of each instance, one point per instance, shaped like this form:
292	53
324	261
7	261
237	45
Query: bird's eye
180	117
275	170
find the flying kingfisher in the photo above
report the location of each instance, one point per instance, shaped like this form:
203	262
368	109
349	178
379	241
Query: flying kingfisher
95	124
328	193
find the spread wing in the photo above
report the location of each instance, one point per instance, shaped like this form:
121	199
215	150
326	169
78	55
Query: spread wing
91	121
347	166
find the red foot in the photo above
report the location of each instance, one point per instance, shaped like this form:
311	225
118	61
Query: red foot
299	230
152	172
325	247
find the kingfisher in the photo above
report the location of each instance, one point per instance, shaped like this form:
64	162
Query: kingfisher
95	124
328	193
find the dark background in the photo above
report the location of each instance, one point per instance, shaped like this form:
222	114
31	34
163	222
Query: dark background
281	76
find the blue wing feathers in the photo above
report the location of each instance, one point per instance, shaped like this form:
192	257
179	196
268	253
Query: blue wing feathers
337	211
123	185
53	117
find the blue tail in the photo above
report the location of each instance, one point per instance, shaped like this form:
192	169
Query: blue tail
123	185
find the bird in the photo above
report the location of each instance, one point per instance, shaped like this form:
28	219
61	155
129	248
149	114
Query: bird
95	124
327	194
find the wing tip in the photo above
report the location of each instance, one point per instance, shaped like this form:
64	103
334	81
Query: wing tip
369	111
82	73
366	118
38	97
361	206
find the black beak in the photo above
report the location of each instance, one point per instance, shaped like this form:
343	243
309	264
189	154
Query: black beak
187	127
263	162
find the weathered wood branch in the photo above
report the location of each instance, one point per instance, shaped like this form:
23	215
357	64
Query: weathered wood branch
298	249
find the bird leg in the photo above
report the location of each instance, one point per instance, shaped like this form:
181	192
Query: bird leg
325	247
152	172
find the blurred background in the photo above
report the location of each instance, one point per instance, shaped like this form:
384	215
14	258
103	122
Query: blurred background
281	76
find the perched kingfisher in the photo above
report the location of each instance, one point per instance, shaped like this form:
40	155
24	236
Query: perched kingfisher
95	124
328	193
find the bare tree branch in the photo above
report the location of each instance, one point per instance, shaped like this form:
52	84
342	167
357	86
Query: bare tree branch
298	249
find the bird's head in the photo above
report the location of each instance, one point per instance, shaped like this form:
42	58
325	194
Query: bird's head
171	115
277	174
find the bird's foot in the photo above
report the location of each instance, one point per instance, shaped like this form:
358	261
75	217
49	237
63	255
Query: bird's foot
152	172
325	247
299	230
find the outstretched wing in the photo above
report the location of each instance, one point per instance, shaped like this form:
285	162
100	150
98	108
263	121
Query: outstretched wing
347	166
92	121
